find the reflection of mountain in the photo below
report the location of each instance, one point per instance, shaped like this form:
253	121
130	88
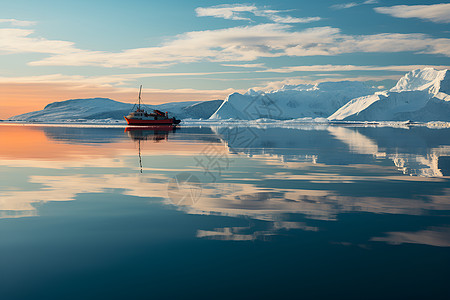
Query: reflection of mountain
418	151
82	135
308	144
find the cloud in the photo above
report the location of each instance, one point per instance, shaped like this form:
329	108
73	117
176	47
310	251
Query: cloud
336	43
280	19
14	40
15	22
438	13
238	11
116	79
234	44
338	68
352	4
244	65
245	43
344	5
229	12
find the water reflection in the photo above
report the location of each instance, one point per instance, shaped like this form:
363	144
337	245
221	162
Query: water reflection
424	154
273	174
433	236
154	133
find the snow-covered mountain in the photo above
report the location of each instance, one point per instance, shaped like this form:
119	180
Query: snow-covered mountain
292	101
104	108
421	95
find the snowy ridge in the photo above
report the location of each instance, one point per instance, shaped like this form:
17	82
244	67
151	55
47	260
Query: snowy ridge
420	95
425	79
106	110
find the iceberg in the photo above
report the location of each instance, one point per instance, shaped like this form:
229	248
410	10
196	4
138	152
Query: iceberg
421	95
292	101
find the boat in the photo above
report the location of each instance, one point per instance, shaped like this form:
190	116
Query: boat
156	118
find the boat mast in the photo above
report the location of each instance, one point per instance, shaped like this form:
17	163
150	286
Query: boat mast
140	89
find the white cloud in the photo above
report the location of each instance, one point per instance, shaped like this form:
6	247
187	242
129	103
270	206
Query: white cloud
238	11
352	4
339	68
14	40
15	22
235	44
439	13
337	43
229	12
344	5
116	80
246	43
244	65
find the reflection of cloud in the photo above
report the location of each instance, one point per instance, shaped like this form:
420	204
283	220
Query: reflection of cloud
241	233
433	236
236	198
268	204
232	234
357	142
66	188
228	199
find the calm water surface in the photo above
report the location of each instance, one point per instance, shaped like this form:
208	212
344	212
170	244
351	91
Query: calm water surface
316	212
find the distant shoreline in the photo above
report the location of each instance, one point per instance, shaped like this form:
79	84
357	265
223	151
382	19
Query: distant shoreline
295	123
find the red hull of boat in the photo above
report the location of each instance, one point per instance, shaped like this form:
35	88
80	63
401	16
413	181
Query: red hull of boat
149	122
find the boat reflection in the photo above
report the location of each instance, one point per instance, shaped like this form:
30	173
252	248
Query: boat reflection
145	133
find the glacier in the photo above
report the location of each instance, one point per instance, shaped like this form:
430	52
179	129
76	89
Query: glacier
421	95
292	101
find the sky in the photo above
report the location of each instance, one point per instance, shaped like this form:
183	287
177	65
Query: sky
203	50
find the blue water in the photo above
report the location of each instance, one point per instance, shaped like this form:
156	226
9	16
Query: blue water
315	212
